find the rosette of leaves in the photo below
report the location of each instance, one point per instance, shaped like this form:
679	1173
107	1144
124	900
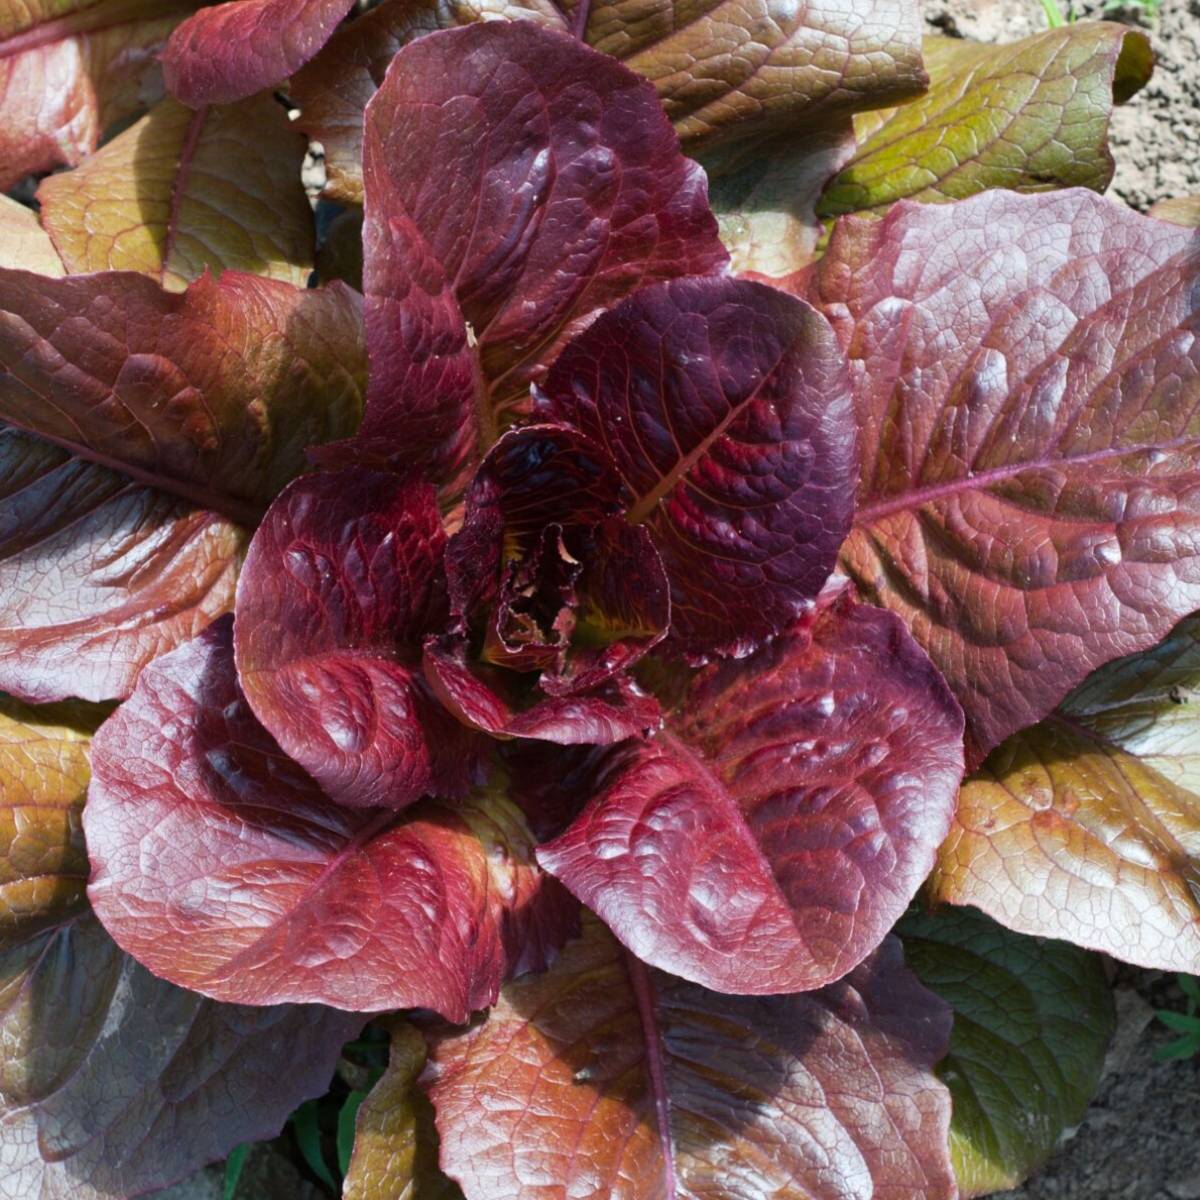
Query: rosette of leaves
599	695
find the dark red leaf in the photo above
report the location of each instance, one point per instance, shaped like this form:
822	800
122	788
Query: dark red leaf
116	1083
342	583
230	51
769	837
223	867
726	408
587	197
506	704
1027	381
98	575
604	1079
212	394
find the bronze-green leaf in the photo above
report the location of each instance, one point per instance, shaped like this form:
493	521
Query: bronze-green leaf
182	191
1032	1020
1030	115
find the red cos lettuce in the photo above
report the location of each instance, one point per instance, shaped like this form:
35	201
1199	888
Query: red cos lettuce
540	692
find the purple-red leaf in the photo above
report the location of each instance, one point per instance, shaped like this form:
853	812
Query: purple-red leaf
219	864
342	583
1027	381
212	394
506	704
725	406
334	89
97	574
767	839
71	68
604	1079
116	1083
230	51
586	196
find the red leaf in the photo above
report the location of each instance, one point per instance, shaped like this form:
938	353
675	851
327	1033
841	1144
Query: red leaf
1027	379
603	1079
71	68
587	197
342	583
117	1083
222	867
230	51
98	575
212	394
726	408
777	828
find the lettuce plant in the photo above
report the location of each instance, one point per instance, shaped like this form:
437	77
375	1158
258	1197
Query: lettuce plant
577	651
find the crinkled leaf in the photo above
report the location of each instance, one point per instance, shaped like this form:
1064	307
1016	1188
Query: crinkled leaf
23	241
342	583
1182	210
506	704
334	89
769	837
726	71
223	867
605	1079
1032	1020
98	575
395	1142
1087	827
182	191
227	52
71	68
587	197
725	406
765	195
115	1083
1030	115
1027	379
213	394
43	780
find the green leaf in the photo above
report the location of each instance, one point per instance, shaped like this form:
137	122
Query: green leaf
1030	115
1032	1019
308	1138
345	1129
233	1169
1180	1022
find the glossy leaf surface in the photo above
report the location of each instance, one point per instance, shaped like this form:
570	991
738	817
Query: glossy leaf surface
342	583
1027	377
725	406
230	51
98	575
71	68
223	867
605	1079
1087	827
748	67
1032	1020
116	1083
1030	115
43	780
181	191
767	839
588	196
213	394
334	89
395	1142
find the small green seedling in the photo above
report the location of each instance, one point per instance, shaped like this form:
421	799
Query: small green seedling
1186	1024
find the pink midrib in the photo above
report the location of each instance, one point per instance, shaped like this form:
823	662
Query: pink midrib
970	483
187	153
643	990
